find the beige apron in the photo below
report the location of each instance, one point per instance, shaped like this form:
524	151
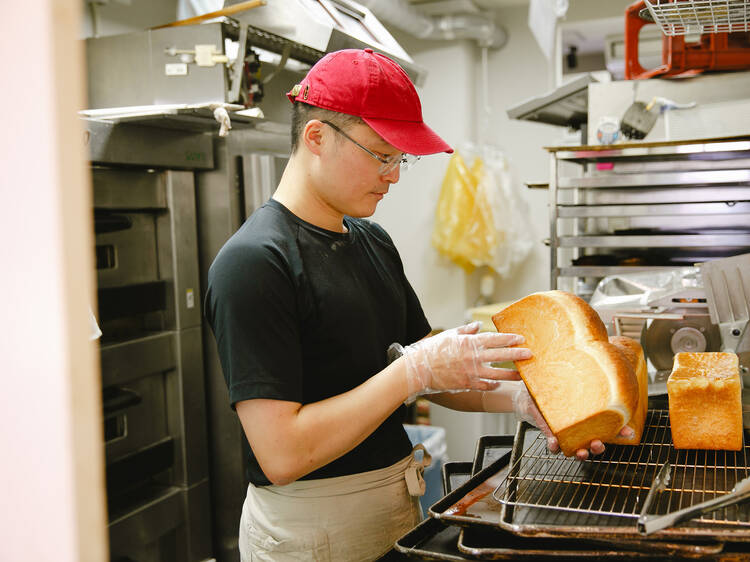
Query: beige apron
347	518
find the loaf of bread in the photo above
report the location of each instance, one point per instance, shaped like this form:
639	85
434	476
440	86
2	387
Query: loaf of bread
634	353
583	385
705	401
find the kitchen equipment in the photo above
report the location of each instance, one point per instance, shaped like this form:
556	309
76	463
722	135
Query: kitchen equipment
220	62
549	495
669	311
727	285
716	50
472	507
640	117
701	16
648	524
151	354
638	120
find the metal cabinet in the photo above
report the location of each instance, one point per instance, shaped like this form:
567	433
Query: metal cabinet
149	310
642	206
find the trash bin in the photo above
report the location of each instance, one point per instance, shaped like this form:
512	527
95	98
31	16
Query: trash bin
433	439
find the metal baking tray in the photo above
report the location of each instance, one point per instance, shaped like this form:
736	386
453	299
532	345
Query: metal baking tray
472	507
431	540
544	494
489	448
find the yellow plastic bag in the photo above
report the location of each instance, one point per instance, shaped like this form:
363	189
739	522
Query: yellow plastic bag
464	225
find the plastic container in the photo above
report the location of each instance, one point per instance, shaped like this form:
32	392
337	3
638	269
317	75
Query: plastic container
433	439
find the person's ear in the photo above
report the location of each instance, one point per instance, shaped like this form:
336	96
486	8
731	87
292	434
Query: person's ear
313	136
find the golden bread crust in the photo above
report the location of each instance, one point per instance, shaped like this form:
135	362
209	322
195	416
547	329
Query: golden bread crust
584	386
634	354
705	401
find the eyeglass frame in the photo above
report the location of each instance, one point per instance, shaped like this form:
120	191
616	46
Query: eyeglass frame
387	164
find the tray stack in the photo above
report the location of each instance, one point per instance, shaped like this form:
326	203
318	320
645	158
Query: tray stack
517	500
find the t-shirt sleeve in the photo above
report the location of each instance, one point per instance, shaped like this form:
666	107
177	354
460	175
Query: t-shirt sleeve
251	307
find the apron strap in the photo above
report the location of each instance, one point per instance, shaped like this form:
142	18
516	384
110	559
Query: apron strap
413	475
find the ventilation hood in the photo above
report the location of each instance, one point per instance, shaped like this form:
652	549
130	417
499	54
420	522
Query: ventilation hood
310	28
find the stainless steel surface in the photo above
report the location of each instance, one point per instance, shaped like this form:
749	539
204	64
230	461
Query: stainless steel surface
147	525
147	147
177	240
664	337
603	271
550	495
646	195
648	205
166	66
659	210
126	361
657	241
727	284
711	177
565	106
186	410
129	69
657	151
151	349
326	26
134	252
128	189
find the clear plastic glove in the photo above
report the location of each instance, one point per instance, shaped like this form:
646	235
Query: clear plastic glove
514	396
459	359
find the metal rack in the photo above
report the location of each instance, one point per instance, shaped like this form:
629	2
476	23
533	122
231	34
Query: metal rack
549	495
700	16
640	206
617	483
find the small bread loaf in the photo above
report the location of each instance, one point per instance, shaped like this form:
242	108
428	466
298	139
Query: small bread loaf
705	401
583	385
634	352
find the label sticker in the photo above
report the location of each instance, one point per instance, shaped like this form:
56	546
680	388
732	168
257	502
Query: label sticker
175	69
190	298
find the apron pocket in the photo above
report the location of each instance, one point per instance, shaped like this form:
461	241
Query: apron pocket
310	544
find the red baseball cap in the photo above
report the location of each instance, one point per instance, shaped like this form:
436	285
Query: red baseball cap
375	88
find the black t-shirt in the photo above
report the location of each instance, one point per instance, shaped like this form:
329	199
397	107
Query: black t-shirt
301	314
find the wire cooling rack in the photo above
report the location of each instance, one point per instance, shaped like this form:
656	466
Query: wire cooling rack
616	483
684	17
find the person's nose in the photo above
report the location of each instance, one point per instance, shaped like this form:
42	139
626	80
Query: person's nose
394	175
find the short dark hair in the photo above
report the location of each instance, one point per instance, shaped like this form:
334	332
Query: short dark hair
303	112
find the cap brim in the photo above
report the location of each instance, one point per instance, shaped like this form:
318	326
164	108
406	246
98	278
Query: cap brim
411	137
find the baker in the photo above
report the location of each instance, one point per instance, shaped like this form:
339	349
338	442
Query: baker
305	299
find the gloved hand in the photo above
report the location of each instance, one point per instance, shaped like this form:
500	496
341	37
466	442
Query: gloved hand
513	396
459	359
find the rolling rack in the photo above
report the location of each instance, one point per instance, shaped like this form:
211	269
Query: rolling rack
645	206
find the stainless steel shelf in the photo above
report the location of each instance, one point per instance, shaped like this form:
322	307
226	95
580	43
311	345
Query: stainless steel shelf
655	241
682	179
682	202
642	210
714	150
605	270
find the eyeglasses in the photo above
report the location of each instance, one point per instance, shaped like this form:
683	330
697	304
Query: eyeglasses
387	163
